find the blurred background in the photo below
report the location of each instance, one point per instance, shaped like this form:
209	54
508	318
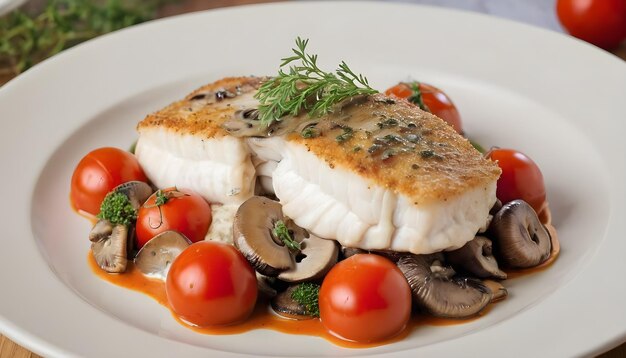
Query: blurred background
31	31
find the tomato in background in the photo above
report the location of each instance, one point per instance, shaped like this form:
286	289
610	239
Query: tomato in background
181	210
210	284
365	298
429	98
98	173
521	178
600	22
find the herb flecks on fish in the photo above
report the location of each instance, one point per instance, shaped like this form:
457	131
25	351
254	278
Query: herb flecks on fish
304	87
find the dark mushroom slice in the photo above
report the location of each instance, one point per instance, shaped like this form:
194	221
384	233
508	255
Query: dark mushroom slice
437	290
101	230
351	251
110	253
391	255
316	257
252	235
287	307
476	257
137	192
269	286
155	258
520	240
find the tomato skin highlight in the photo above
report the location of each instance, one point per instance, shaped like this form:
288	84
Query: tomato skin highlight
521	178
188	214
98	173
211	284
600	22
365	298
436	100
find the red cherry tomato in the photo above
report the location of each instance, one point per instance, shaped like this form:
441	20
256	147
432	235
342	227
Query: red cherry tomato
211	283
435	101
98	173
520	179
600	22
183	211
365	298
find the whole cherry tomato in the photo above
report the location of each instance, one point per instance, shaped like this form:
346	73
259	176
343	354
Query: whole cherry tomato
429	98
181	210
520	179
365	298
98	173
211	283
600	22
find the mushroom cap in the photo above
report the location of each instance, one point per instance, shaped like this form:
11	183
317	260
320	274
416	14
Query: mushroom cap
110	253
287	307
155	258
437	291
137	192
521	241
316	258
497	289
476	257
252	235
101	230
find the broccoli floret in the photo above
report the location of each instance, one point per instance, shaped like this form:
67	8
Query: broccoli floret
307	294
116	208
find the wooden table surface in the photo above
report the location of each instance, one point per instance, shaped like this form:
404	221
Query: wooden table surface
9	349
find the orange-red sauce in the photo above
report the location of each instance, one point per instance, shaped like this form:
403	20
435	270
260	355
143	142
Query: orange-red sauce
262	317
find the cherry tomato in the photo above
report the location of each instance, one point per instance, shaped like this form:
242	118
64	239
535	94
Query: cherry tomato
434	100
211	283
183	210
98	173
520	179
600	22
365	298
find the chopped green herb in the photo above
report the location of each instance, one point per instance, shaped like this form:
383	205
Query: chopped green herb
374	148
388	153
304	87
309	132
413	138
346	135
427	153
357	148
307	294
477	146
27	39
387	123
282	233
117	209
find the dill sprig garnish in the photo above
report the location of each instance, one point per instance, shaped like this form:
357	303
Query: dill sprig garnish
304	87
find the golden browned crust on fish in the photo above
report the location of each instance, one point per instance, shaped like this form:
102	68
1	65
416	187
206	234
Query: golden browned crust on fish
442	165
201	113
435	165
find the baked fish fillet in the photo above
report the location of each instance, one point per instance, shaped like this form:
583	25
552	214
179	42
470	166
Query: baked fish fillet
377	173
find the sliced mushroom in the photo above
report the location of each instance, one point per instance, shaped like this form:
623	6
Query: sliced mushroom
521	241
268	286
497	289
476	257
287	307
155	258
137	192
101	230
252	235
316	258
110	252
439	292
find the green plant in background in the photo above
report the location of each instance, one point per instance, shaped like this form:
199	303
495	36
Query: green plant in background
26	39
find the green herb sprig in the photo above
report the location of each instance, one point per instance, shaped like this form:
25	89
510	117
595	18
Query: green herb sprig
304	87
27	39
282	233
307	294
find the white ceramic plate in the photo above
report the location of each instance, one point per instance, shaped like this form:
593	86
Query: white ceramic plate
557	99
